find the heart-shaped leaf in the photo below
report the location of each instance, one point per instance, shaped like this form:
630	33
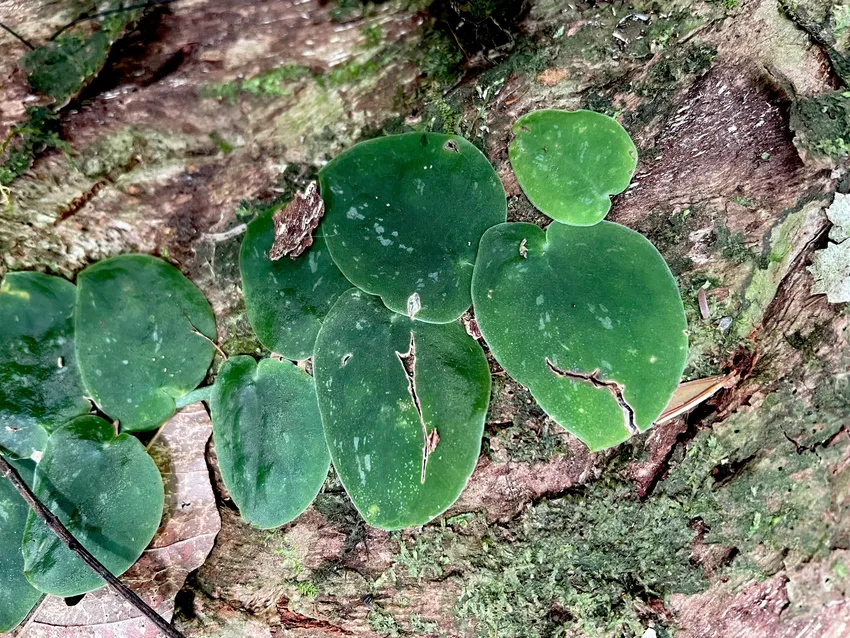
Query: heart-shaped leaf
143	338
403	406
17	596
570	163
40	385
189	526
106	490
287	299
589	319
268	439
404	215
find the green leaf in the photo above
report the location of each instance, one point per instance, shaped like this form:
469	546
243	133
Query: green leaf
589	319
375	371
17	596
570	163
404	215
40	385
106	490
287	299
143	338
268	439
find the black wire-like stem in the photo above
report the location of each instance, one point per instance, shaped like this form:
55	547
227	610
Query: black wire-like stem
56	526
16	35
94	16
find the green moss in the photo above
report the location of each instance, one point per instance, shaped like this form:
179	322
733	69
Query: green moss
347	10
439	58
822	124
586	562
592	561
772	267
134	148
382	622
424	557
62	67
709	347
761	482
40	132
307	589
420	626
353	71
730	245
373	35
278	82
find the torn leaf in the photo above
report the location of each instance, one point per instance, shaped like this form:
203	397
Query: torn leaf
294	224
591	322
386	387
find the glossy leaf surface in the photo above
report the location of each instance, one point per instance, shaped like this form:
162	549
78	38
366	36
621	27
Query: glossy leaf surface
40	385
108	493
570	163
287	299
268	439
376	371
141	328
17	596
404	215
590	320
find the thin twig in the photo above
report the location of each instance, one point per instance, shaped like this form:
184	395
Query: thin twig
56	526
94	16
16	35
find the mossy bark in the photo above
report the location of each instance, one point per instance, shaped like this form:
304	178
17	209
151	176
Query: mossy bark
730	521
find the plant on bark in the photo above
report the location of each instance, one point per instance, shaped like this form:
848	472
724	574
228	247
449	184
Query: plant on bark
586	314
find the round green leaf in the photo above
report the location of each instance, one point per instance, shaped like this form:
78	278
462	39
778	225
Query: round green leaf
143	338
287	299
106	490
570	163
376	371
40	385
268	439
404	215
17	596
589	319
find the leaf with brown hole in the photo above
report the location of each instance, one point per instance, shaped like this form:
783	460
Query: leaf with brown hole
287	299
403	405
590	320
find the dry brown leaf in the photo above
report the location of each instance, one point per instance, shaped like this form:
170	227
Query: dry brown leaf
294	225
181	545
